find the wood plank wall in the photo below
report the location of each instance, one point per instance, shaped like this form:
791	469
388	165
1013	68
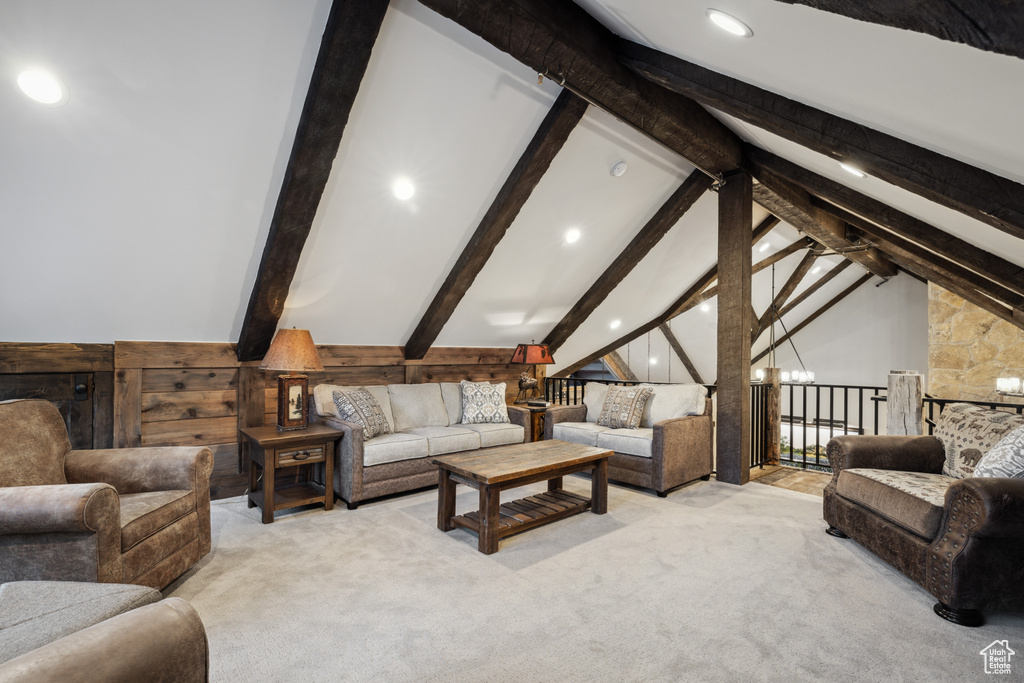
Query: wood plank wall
178	393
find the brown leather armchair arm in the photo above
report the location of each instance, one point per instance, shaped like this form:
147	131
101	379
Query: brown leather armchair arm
162	642
556	414
997	505
81	508
135	470
904	453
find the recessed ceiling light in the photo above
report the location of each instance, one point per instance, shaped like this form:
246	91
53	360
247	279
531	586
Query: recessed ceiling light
729	23
816	270
615	324
571	235
619	168
852	170
654	361
704	308
43	87
764	247
403	189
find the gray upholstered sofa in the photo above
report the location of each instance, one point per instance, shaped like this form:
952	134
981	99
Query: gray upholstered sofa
57	631
672	446
922	504
427	422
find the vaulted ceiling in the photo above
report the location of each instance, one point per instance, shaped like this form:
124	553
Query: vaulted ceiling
222	168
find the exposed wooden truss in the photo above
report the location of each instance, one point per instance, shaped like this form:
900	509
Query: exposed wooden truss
657	227
818	284
560	40
783	294
980	194
691	369
348	39
620	367
990	26
560	121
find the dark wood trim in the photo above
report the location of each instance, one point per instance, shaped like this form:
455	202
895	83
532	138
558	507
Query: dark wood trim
818	284
990	26
560	121
977	193
814	316
618	365
348	40
828	194
735	317
26	358
127	407
670	213
673	341
794	280
559	39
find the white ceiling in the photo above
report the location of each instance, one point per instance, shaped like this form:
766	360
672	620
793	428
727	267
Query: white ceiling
139	210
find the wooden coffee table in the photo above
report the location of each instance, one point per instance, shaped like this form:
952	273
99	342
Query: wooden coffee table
506	467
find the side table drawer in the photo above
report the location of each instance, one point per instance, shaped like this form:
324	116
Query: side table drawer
299	456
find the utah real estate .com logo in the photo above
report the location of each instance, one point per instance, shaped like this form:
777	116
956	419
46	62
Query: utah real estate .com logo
997	657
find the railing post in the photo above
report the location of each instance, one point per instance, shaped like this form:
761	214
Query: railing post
904	403
773	430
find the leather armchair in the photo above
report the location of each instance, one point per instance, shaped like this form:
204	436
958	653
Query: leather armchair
125	515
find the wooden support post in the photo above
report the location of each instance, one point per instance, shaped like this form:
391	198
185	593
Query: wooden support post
904	406
252	407
773	434
414	372
735	199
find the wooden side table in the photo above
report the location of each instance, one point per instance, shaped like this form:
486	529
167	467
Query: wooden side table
271	450
537	418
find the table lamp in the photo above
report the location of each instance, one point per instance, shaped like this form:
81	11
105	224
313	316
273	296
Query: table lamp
530	354
293	352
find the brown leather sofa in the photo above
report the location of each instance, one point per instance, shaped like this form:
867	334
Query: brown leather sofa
55	631
961	539
126	515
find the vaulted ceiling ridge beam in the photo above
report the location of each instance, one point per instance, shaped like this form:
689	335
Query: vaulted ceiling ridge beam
345	48
827	193
814	316
794	280
560	40
990	26
975	192
649	235
673	341
554	130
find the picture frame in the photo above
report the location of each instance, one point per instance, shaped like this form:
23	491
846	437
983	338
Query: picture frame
292	402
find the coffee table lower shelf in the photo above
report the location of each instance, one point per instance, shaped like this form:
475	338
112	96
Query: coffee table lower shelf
526	513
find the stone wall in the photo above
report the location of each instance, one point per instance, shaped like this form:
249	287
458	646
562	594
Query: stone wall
968	348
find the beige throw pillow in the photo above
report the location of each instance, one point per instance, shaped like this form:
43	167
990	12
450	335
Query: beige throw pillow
623	407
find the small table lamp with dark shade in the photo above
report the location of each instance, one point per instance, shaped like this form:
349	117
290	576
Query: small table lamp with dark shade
530	354
293	352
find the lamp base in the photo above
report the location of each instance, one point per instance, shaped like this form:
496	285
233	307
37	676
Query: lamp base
292	402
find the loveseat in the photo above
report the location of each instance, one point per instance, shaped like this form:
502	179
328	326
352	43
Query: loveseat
426	421
671	446
54	631
945	510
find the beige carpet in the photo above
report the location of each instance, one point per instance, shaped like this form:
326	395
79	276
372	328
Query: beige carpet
713	583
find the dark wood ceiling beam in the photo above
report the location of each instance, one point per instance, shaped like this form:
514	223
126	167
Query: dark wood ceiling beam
990	26
818	284
559	39
560	121
828	194
345	48
977	193
814	316
619	367
656	228
794	280
673	341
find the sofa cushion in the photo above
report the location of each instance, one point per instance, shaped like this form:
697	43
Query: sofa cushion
623	407
417	405
483	403
451	394
912	500
1006	459
497	434
669	401
323	400
578	432
968	432
358	406
392	448
144	514
35	613
628	441
593	397
441	440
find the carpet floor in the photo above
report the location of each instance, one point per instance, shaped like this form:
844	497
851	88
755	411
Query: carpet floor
714	583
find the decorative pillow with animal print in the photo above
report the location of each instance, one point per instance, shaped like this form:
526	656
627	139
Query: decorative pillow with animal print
968	432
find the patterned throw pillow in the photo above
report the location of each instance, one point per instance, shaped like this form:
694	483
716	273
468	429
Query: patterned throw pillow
968	432
483	403
1006	459
623	407
360	407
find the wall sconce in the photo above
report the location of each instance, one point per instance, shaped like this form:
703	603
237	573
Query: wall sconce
759	375
801	377
1009	386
